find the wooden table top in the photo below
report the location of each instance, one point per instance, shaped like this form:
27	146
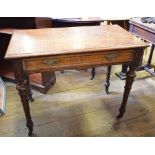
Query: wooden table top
55	41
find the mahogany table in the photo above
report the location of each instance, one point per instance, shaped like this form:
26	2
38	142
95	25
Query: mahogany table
39	50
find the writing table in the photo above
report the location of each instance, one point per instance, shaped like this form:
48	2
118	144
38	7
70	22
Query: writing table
53	49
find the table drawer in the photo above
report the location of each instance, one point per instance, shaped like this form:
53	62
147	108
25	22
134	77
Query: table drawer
69	61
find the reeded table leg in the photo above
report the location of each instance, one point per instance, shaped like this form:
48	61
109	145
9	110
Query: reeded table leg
22	89
129	80
107	83
29	89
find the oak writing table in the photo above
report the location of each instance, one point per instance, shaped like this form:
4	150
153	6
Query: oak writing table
53	49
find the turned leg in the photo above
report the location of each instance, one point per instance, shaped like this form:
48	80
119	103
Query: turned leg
93	73
29	89
107	82
22	89
129	80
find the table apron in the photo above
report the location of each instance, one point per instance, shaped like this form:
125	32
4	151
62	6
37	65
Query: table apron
73	61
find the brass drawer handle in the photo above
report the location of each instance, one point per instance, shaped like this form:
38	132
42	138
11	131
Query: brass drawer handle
50	62
111	56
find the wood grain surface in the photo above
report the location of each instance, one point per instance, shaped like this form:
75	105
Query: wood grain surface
53	41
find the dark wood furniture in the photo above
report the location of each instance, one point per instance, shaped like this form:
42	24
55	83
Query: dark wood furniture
146	32
39	50
42	82
72	22
121	21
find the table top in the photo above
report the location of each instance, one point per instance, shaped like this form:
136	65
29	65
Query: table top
55	41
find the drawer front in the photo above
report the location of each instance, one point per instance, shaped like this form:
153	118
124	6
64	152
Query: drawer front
72	61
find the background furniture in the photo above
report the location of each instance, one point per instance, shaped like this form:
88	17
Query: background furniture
121	21
72	22
146	32
119	47
40	81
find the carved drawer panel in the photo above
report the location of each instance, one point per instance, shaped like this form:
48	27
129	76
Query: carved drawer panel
76	60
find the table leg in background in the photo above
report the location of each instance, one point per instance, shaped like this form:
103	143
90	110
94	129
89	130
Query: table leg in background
107	82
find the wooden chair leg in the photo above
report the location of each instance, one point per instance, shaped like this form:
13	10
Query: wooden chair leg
93	73
107	83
